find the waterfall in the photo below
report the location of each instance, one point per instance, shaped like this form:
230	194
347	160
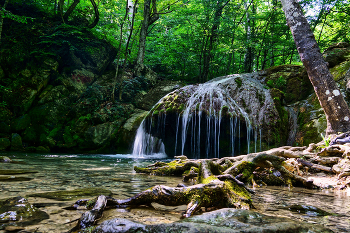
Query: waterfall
209	121
145	143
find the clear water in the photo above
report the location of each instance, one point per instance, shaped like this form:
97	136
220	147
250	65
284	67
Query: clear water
57	172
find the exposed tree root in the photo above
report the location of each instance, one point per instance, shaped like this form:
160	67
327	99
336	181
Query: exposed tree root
222	182
89	217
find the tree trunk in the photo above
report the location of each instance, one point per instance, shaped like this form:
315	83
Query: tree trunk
55	8
60	8
131	29
212	39
336	110
2	18
249	55
70	10
143	35
97	14
119	52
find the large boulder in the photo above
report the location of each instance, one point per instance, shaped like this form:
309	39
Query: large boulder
223	220
149	99
228	112
336	53
292	80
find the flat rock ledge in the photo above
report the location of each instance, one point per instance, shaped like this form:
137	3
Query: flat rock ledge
223	220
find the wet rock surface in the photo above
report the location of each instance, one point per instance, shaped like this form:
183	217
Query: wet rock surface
223	220
5	159
18	211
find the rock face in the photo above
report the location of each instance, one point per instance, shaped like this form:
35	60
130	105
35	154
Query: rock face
223	220
56	93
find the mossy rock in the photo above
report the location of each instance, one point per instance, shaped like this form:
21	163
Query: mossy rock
73	194
17	211
30	135
5	159
171	168
4	143
340	70
21	123
336	55
16	142
292	80
42	149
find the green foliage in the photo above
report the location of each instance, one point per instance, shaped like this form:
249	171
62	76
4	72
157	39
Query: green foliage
279	83
3	104
326	141
17	18
131	87
238	82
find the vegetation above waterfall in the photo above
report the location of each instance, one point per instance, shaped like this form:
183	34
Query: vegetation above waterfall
71	78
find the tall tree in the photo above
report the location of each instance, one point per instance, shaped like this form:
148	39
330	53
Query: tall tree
97	14
2	12
249	54
336	110
148	19
207	53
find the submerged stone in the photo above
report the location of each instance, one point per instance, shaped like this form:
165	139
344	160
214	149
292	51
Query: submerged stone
72	194
14	178
17	211
308	210
120	225
15	171
223	220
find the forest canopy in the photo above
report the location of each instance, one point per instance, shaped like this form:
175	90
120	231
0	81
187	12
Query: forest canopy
195	40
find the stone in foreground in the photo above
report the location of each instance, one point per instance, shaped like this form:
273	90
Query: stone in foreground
223	220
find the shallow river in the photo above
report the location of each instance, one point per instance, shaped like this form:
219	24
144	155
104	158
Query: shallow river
114	173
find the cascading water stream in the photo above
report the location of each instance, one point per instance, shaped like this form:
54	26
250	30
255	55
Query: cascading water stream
145	143
208	115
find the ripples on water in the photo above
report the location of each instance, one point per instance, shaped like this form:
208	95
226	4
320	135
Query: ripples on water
57	172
